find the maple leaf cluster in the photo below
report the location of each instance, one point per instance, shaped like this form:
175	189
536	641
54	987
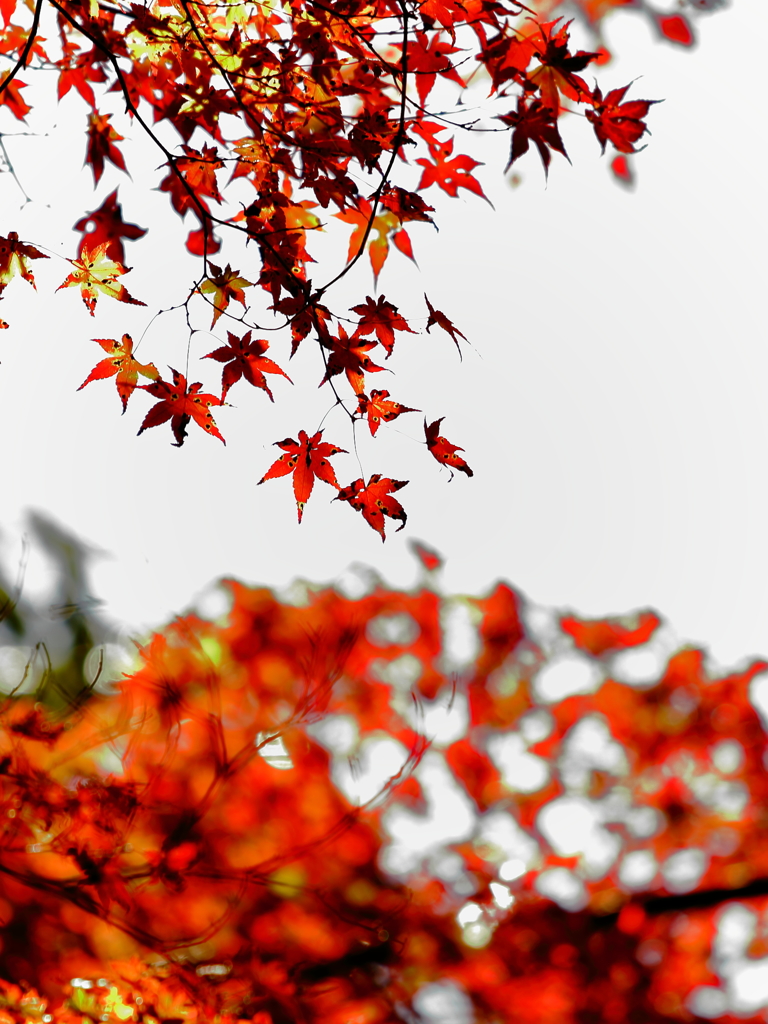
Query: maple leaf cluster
181	844
290	119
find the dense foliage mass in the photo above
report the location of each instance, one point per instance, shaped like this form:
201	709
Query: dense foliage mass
272	121
184	844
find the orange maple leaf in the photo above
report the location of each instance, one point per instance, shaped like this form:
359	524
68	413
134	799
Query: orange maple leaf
120	362
385	226
556	73
379	408
199	170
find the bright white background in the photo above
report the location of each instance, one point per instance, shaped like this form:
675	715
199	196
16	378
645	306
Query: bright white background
613	405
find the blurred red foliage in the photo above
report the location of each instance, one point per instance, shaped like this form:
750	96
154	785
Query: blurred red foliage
182	845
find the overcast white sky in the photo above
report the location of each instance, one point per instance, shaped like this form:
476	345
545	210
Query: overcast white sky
613	405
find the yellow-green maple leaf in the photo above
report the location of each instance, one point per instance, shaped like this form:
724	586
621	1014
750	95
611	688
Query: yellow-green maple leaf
223	286
95	273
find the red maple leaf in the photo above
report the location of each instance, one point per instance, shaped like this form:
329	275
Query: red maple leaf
381	317
107	225
449	174
406	205
616	122
436	317
303	318
79	70
11	98
199	170
428	58
443	450
203	242
379	408
191	177
601	636
375	501
180	404
535	124
507	56
102	139
245	358
182	198
350	356
675	28
621	169
372	134
429	558
120	362
306	458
